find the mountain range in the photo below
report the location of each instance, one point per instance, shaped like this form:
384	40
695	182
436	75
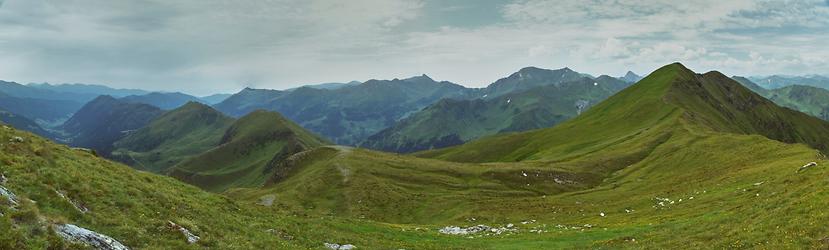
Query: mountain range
676	160
452	122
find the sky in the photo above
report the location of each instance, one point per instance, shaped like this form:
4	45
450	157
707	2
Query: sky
220	46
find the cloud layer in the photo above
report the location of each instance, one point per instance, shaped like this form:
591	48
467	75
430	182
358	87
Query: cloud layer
205	46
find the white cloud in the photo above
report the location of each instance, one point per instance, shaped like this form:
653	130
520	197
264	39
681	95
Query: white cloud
221	45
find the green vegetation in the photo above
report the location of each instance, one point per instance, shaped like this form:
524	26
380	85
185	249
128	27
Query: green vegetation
678	160
452	122
173	137
807	99
247	153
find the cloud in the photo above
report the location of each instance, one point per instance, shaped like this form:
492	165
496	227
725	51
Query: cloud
205	46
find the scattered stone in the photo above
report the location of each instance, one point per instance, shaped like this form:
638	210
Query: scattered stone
455	230
16	139
601	214
336	246
191	238
759	183
267	200
3	179
280	233
808	165
10	197
78	234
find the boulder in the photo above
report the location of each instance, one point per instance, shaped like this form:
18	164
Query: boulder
82	235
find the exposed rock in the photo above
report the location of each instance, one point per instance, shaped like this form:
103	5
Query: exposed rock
3	179
267	200
16	139
78	234
581	106
10	197
455	230
808	165
80	207
336	246
191	238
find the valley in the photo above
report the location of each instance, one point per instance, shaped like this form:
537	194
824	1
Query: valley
677	159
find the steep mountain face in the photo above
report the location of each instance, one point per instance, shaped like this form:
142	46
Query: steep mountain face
173	137
47	112
22	123
807	99
452	122
101	122
166	101
531	77
350	114
631	77
90	89
247	153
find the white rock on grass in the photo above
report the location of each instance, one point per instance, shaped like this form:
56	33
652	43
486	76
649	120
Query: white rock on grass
16	139
82	235
191	238
335	246
808	165
10	197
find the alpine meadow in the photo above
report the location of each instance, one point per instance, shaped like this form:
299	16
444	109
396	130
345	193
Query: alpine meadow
414	124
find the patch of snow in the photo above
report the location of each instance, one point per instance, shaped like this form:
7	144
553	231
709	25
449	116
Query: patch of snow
509	100
595	84
78	234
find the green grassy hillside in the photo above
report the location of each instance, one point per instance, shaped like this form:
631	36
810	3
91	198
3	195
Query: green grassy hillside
710	101
672	161
173	137
247	152
452	122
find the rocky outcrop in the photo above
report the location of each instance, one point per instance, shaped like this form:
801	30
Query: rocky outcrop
191	238
82	235
10	197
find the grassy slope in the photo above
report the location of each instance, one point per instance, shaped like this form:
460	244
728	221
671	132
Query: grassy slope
173	137
661	138
749	196
247	152
133	207
452	122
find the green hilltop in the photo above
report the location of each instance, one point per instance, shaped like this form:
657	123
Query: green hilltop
173	137
247	152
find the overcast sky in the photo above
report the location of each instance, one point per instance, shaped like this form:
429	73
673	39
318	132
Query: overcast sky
208	46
